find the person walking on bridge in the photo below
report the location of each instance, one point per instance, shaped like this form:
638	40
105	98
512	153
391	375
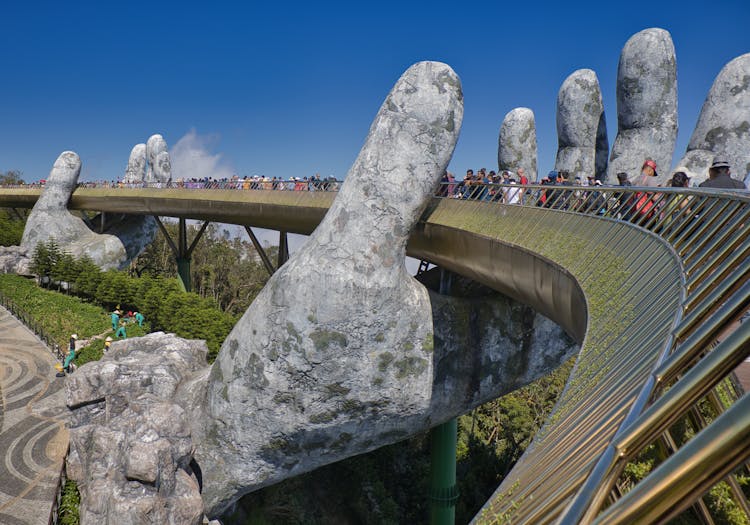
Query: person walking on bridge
719	176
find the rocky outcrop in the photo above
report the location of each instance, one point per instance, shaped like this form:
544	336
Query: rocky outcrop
159	165
50	219
517	147
646	105
136	170
581	127
14	259
130	441
724	124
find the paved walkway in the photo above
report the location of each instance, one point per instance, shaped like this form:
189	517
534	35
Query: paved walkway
33	436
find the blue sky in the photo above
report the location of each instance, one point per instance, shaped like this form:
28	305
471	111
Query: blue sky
290	89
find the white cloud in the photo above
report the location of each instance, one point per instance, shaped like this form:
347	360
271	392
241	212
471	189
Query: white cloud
192	158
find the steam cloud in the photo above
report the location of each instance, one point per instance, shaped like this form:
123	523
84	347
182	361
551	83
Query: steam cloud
192	158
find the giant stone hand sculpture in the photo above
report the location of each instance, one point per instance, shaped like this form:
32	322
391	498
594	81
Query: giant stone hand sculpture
159	165
136	170
723	127
50	219
342	303
516	145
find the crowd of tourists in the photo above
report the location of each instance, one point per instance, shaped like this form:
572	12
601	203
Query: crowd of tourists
482	185
314	183
492	186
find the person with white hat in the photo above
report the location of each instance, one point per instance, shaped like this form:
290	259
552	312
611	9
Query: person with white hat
719	176
107	343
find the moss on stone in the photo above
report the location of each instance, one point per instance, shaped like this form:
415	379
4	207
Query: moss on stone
428	345
325	338
384	359
410	366
336	389
343	440
284	398
351	405
322	417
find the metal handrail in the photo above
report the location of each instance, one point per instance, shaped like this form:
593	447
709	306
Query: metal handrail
693	226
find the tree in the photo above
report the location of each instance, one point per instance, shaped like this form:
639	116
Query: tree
224	269
11	177
44	259
11	228
65	270
89	277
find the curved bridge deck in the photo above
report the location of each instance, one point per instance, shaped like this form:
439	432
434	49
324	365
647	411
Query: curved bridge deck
655	297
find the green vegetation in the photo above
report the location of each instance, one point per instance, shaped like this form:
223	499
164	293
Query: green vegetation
71	500
11	228
57	314
720	500
11	177
225	270
159	299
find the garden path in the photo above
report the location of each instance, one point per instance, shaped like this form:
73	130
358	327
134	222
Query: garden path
33	433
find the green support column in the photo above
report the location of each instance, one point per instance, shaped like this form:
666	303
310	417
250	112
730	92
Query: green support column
443	438
443	490
183	270
181	250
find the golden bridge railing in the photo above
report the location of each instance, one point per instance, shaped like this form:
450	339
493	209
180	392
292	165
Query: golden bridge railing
666	408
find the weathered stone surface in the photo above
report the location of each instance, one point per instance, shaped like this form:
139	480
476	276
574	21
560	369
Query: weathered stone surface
581	127
298	373
130	441
14	259
163	167
517	147
646	105
50	219
724	124
159	165
136	170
